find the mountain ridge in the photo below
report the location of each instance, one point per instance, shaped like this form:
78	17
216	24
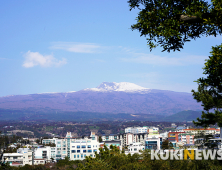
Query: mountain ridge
113	98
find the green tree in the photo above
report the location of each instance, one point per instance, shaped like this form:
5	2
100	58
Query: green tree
167	145
210	90
100	139
172	23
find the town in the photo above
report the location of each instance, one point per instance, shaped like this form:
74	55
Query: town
130	140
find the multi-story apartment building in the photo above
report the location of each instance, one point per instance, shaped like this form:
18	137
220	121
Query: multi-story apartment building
75	149
129	138
80	148
58	152
132	135
186	138
206	131
173	136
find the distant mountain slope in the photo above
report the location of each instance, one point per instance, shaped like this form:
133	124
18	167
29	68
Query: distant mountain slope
106	98
187	115
52	115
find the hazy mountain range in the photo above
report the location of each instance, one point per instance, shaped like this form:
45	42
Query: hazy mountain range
106	98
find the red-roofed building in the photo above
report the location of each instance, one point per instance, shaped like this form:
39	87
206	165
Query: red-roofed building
206	131
173	136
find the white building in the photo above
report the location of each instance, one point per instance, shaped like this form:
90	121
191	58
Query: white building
135	148
205	131
18	159
153	142
164	135
80	148
44	153
144	129
75	149
110	137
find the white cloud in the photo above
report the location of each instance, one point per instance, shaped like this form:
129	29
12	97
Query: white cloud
34	58
76	47
182	59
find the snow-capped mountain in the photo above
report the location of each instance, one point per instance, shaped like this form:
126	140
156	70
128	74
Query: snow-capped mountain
106	98
113	86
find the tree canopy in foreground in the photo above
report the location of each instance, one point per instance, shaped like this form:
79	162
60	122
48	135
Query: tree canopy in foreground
171	23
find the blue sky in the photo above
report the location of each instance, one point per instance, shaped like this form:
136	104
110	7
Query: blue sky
60	46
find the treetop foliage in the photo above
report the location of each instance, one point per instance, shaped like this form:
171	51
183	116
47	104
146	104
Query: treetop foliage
210	89
172	23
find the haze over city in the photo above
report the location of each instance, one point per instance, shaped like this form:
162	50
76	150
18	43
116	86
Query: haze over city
61	46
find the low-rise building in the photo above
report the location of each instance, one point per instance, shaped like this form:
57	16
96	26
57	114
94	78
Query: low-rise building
110	137
205	131
116	143
144	129
135	148
18	159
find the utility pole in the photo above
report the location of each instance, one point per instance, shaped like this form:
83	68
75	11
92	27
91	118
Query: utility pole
32	155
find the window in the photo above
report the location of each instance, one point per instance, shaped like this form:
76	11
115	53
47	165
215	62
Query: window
95	150
90	151
59	149
78	151
73	151
77	156
63	148
78	146
89	146
84	151
83	146
81	156
64	152
74	156
73	146
84	155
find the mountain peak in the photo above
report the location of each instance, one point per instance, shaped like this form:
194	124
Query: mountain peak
113	86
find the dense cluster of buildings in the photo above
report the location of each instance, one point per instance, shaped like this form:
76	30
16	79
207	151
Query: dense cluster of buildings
134	140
